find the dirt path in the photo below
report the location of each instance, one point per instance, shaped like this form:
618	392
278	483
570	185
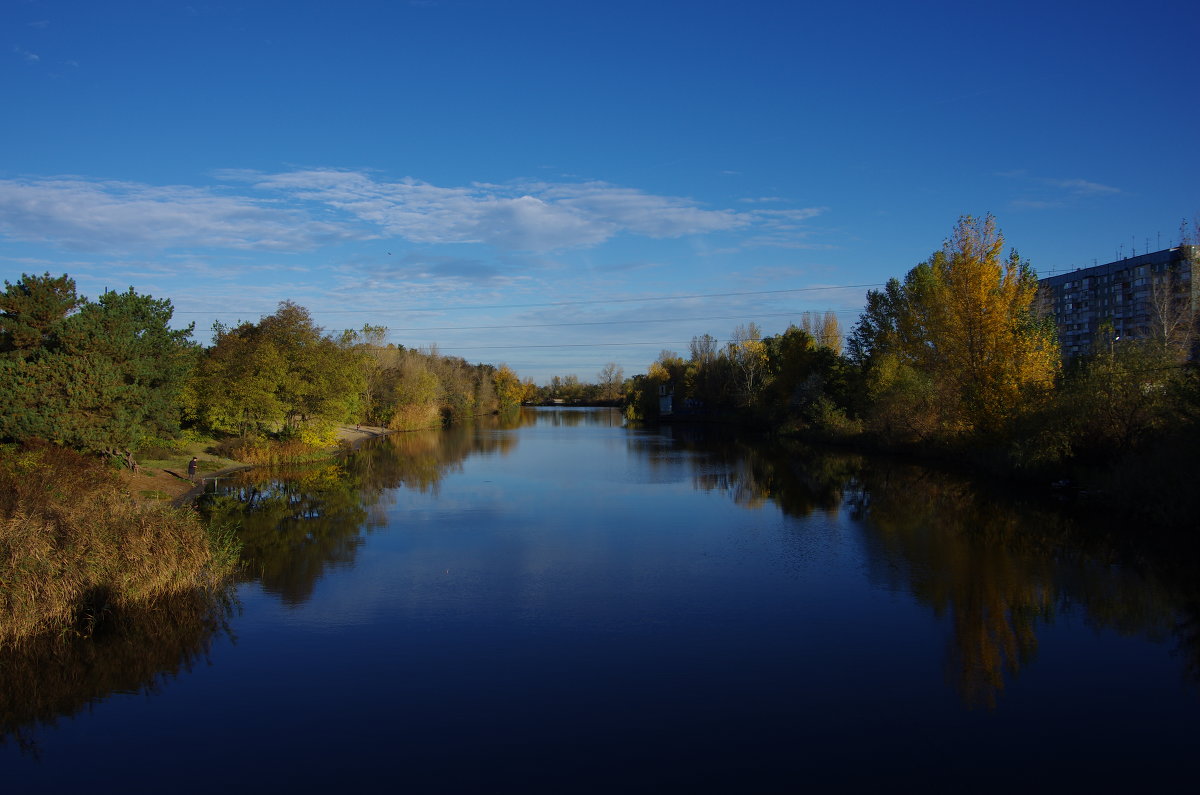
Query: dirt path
171	482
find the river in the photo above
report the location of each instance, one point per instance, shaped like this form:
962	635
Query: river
559	602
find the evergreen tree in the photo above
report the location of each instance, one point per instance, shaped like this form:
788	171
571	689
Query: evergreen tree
105	378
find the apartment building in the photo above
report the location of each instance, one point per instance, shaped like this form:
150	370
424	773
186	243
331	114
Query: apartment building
1151	295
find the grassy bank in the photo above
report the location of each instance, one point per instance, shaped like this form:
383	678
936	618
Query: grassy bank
75	547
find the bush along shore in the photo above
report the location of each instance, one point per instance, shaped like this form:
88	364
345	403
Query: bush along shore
77	549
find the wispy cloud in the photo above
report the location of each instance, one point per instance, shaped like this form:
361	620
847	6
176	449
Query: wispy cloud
30	57
303	209
123	216
1041	193
641	213
523	216
1083	187
784	229
1035	204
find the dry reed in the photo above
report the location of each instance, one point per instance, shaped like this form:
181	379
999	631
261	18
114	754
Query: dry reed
75	548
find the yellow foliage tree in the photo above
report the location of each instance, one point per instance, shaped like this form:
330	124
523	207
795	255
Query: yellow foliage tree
965	318
509	388
748	354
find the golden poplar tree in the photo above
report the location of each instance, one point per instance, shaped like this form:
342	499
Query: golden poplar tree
978	332
966	319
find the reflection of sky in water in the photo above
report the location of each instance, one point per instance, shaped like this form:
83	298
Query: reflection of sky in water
602	606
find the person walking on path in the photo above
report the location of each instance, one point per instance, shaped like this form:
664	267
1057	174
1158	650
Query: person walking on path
192	468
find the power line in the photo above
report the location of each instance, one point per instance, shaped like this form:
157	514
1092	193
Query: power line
559	345
561	303
627	322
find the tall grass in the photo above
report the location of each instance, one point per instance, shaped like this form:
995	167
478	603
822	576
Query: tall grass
74	548
272	452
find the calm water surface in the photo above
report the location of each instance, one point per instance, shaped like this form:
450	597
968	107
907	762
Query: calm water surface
560	603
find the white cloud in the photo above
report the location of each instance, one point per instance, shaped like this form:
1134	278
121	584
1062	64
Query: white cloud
1083	187
641	213
122	216
787	219
537	216
1043	193
302	209
761	199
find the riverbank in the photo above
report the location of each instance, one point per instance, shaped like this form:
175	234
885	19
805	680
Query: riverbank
80	541
74	549
166	479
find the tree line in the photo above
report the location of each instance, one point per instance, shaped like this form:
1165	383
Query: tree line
111	376
956	359
608	389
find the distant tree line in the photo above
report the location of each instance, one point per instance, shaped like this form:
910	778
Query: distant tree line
797	374
607	389
112	376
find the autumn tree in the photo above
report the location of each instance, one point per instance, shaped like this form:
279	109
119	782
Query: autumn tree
824	329
964	323
703	349
666	376
610	380
415	399
509	389
283	374
709	373
371	342
748	355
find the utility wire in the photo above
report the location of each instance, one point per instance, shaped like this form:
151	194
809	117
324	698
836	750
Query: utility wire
628	322
560	345
562	303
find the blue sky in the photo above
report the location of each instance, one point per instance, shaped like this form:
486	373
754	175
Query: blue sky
558	185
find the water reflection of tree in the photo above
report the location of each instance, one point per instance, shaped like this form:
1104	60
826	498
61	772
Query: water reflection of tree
752	474
573	417
293	524
998	569
968	560
138	650
296	523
